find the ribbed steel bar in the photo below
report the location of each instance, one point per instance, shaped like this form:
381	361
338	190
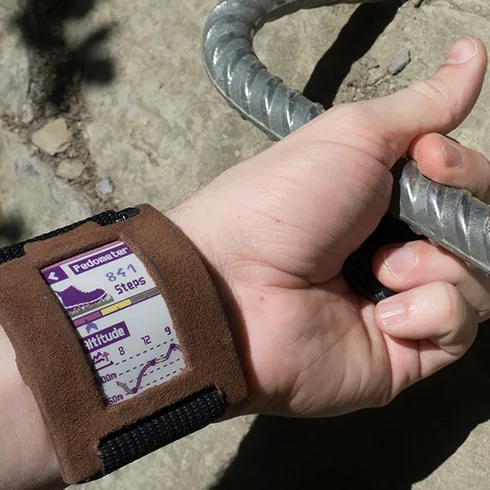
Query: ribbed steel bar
451	217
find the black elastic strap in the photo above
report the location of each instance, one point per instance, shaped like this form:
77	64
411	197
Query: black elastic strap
167	425
162	428
103	219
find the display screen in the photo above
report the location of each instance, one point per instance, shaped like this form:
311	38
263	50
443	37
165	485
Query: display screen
121	319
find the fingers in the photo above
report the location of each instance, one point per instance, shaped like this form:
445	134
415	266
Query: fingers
434	314
414	264
438	104
433	320
385	127
447	162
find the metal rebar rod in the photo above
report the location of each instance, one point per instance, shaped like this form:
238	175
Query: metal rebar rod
451	217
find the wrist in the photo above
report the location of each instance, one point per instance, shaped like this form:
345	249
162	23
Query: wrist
210	242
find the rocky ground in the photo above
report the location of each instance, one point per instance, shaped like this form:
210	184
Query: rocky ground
106	104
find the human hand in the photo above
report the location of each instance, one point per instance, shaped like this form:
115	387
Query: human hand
277	229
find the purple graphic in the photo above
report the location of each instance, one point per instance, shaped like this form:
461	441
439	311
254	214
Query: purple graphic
87	318
148	365
100	259
133	300
105	337
101	357
101	360
76	301
54	275
91	326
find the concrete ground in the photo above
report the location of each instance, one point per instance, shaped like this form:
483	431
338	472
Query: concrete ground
143	124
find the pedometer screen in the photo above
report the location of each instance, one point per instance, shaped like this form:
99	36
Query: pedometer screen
120	318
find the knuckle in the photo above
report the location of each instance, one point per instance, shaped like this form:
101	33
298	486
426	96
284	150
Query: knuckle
352	113
459	323
483	313
383	400
342	110
484	181
451	307
436	92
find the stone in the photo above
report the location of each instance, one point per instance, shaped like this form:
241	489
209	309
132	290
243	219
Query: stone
105	187
70	169
31	193
53	138
27	114
400	62
371	63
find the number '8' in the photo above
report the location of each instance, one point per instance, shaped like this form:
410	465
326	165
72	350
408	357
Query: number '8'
111	276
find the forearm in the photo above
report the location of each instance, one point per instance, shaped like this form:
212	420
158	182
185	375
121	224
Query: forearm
27	459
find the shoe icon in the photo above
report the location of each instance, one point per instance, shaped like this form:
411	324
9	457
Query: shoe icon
75	300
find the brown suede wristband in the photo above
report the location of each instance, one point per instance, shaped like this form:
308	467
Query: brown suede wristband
54	365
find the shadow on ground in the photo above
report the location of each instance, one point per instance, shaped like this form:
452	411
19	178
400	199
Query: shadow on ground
356	38
61	65
11	231
381	449
11	228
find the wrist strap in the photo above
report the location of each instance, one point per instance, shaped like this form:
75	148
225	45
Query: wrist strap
16	251
171	424
162	427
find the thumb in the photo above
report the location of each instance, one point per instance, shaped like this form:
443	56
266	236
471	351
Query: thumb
438	104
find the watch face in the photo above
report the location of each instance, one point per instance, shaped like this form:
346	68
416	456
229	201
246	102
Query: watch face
120	318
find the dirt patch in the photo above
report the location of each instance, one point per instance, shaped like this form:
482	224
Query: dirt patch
57	70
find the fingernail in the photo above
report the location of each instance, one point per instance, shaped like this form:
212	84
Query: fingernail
462	51
454	155
392	312
399	260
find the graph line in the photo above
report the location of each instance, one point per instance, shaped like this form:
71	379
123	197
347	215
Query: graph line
148	365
